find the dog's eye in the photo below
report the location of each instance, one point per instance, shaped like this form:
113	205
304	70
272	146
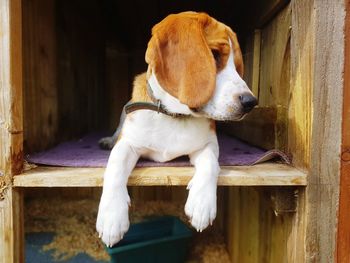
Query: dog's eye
216	55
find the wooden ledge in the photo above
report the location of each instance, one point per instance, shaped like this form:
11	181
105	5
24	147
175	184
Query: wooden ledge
262	174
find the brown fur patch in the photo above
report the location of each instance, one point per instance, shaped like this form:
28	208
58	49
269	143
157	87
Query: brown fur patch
139	92
217	39
184	63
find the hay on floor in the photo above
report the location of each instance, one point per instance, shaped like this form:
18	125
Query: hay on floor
73	222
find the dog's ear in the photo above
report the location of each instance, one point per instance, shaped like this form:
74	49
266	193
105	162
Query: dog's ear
181	58
237	53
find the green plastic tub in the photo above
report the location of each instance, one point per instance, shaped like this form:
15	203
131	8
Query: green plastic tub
158	240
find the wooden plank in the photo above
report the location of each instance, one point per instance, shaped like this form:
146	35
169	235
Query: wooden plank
275	48
343	239
261	174
324	27
254	232
256	62
274	38
81	65
117	85
268	74
299	115
282	82
232	237
274	80
302	52
39	75
248	225
11	131
12	227
301	86
268	10
251	59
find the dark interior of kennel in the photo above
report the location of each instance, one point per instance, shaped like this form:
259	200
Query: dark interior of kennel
79	61
80	58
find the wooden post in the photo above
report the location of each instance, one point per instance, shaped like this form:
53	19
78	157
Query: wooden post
322	192
343	242
11	131
11	229
299	113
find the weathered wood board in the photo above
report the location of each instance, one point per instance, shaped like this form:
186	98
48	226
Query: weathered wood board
260	174
254	231
40	89
11	131
322	194
267	63
343	238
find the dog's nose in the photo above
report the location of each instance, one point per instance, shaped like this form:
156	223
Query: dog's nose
248	102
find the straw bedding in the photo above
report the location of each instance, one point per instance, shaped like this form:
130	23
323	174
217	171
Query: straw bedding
73	222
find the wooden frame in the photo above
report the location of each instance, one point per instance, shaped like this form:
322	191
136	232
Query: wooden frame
11	132
314	137
261	174
343	239
322	193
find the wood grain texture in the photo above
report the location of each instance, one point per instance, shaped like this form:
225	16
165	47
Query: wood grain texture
343	239
275	37
300	110
251	59
39	75
254	233
117	82
268	10
281	238
301	82
274	80
256	62
268	72
82	96
261	174
12	227
11	131
243	224
323	191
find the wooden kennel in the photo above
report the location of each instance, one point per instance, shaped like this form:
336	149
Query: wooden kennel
60	64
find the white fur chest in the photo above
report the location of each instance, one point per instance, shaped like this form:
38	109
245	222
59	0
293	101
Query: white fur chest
162	138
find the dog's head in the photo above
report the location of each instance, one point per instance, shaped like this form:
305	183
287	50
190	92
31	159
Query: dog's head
197	61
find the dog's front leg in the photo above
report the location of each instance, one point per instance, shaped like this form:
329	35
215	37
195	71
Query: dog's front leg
113	219
201	202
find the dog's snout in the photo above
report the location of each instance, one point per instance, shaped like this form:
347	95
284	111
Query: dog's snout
248	102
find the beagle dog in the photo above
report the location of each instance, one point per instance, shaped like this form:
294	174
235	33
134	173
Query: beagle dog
194	73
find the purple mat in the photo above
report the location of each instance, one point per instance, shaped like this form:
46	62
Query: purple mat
86	153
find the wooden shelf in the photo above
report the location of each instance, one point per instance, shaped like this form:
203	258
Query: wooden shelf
262	174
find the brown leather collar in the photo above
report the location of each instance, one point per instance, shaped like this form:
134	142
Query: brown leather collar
155	106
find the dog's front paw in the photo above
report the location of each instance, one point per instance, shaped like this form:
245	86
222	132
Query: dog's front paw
201	207
112	220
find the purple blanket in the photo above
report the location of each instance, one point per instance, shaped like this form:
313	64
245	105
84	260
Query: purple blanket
86	153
